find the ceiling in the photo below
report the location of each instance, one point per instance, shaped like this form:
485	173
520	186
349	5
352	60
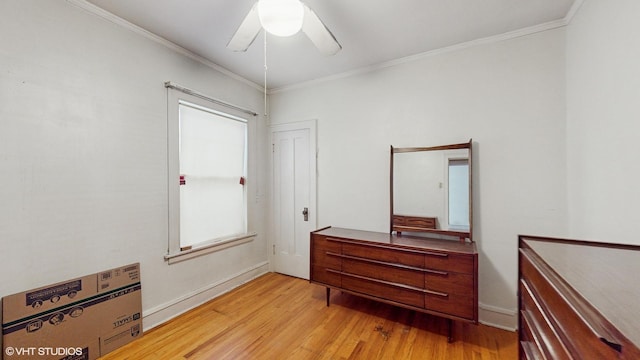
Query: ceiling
370	32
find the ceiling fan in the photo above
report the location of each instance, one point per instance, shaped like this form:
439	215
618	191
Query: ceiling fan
283	18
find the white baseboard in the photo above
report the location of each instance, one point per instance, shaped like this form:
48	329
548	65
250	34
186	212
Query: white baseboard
167	311
500	318
489	315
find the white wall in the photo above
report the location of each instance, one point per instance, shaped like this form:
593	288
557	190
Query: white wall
83	156
603	121
508	96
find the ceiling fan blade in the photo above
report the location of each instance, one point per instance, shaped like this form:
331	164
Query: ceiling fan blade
247	32
318	33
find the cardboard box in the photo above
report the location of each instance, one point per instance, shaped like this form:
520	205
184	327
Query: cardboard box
81	318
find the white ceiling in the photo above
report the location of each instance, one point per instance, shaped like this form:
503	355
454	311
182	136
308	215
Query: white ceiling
370	32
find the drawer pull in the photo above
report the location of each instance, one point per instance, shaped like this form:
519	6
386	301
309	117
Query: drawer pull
396	265
378	262
437	293
436	254
408	287
380	281
436	272
380	246
530	350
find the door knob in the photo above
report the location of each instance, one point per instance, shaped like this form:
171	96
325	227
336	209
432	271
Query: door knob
305	213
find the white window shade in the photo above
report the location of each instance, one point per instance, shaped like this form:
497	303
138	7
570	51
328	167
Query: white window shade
213	164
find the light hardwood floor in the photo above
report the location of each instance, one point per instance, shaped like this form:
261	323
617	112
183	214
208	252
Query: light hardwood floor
281	317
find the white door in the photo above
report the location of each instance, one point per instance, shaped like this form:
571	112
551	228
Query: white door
293	197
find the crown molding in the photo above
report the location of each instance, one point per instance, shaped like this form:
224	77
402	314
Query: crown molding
457	47
572	12
482	41
83	4
95	10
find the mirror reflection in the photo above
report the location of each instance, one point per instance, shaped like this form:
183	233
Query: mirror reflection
431	190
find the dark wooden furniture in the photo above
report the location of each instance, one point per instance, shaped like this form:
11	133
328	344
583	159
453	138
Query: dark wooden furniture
438	277
578	300
400	223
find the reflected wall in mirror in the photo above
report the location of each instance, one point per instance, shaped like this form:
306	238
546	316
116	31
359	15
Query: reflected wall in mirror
431	190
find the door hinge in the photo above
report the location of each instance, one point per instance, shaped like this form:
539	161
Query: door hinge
274	249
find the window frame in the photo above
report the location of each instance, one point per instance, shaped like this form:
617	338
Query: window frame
174	252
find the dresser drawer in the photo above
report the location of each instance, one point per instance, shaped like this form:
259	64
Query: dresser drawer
549	342
415	221
421	222
452	304
399	220
449	262
528	351
449	282
577	335
397	256
324	275
389	273
382	290
529	347
322	250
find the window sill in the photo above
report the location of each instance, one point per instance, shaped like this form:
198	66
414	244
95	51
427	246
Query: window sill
209	248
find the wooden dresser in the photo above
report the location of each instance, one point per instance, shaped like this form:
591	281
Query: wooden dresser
438	277
578	300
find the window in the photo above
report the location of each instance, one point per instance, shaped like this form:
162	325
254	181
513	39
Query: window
207	163
212	175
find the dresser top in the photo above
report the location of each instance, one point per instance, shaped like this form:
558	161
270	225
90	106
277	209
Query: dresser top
606	275
413	242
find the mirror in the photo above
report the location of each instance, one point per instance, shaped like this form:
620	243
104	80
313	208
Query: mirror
431	190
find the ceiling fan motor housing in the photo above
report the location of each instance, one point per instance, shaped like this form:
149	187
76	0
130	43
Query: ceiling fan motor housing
281	17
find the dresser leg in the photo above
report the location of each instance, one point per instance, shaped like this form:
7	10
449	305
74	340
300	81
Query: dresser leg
328	295
450	331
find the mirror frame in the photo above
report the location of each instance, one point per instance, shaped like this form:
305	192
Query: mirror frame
424	224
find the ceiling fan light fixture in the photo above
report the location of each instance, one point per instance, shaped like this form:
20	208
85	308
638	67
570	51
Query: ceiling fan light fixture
281	17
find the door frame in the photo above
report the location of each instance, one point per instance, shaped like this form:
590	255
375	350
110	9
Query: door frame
310	125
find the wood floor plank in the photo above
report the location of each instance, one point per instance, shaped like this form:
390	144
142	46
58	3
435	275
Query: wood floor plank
280	317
